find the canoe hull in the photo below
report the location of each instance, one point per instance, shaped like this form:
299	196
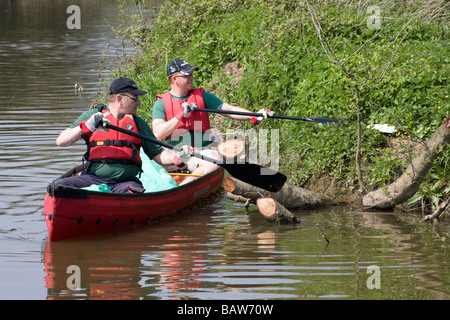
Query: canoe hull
73	213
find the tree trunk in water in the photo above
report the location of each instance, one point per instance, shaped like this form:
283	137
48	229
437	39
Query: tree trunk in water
408	183
290	196
273	211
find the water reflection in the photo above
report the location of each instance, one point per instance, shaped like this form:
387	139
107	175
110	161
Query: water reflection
207	254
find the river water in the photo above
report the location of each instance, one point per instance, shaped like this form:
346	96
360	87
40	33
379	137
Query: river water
217	251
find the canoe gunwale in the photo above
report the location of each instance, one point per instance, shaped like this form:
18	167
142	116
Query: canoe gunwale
77	193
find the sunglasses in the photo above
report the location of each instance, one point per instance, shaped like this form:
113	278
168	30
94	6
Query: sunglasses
185	75
131	97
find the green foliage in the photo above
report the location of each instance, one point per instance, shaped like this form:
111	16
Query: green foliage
401	69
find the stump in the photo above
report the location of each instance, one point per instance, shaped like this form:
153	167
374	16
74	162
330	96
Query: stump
273	211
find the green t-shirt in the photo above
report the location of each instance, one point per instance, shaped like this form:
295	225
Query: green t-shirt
120	171
193	138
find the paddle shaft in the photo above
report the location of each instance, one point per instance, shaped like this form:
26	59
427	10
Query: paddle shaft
276	116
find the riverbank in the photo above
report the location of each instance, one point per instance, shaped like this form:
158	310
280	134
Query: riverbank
357	67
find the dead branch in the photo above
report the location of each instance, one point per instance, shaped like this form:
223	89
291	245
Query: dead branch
408	183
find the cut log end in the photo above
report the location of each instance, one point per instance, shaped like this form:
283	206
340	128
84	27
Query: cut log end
267	207
273	211
228	184
232	149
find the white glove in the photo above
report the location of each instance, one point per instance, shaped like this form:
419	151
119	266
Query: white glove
266	113
188	108
97	122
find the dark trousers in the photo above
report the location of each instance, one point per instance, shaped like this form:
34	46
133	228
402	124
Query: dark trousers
87	179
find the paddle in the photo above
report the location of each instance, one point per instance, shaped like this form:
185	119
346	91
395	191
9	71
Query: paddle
276	116
254	174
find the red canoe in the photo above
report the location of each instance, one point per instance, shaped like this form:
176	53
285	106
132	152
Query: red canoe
72	213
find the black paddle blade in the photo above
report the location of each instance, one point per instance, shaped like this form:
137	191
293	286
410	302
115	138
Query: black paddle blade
256	175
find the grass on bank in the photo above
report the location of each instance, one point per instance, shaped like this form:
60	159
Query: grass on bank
258	54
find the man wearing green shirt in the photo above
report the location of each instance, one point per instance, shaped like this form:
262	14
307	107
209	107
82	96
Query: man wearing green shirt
113	158
174	120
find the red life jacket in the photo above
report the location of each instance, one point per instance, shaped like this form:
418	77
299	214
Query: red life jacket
114	146
173	106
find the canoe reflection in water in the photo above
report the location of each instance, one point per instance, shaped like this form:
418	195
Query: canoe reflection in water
160	261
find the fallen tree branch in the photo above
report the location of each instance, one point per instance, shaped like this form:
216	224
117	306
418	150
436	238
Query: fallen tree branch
290	196
407	185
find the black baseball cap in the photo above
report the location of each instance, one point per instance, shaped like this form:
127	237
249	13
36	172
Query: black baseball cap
179	65
122	85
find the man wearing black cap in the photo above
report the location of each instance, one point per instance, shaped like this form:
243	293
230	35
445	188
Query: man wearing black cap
174	120
113	158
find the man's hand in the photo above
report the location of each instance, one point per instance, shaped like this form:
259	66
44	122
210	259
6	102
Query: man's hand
95	122
186	111
265	113
188	108
181	157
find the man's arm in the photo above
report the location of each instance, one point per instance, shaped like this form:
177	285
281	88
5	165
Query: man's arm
265	113
69	136
163	128
227	107
165	158
213	102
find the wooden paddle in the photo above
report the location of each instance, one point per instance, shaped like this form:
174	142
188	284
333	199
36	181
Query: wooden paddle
276	116
254	174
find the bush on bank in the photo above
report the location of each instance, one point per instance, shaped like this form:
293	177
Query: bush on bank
258	54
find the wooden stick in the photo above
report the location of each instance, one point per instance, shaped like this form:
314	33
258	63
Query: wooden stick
323	233
436	213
